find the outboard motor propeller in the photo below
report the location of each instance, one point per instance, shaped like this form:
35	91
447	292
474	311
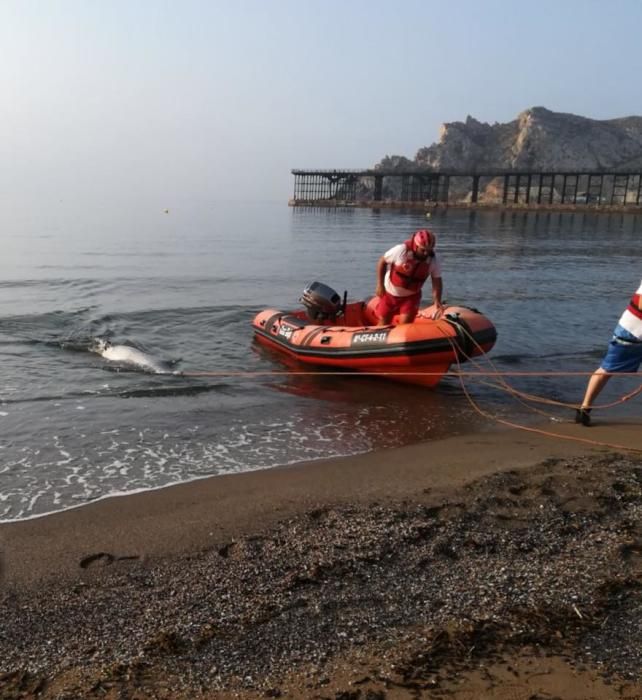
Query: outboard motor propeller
321	302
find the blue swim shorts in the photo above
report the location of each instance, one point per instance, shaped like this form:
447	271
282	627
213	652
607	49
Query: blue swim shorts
622	356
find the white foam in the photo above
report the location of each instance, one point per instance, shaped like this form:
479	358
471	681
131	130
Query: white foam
133	460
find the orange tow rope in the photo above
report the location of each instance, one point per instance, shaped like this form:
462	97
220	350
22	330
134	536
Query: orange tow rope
476	375
539	431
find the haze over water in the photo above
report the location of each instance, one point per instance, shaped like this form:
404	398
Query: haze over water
184	286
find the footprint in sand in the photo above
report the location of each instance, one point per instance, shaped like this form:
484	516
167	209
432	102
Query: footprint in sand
94	560
102	559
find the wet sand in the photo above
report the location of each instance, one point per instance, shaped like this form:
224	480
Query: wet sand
503	565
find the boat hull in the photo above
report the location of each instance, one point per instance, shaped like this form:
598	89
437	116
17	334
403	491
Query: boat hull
419	353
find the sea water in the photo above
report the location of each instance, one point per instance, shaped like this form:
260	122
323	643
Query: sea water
182	284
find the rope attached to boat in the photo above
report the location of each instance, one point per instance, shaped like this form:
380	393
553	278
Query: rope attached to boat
480	374
521	395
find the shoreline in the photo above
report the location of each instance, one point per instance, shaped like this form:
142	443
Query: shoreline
262	496
366	575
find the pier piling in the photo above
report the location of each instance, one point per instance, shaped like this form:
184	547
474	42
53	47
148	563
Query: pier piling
531	189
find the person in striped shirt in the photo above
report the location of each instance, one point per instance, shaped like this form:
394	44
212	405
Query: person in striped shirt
624	354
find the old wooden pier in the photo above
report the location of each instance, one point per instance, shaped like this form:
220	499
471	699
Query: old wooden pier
491	188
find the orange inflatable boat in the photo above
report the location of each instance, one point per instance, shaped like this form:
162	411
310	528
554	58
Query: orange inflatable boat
334	333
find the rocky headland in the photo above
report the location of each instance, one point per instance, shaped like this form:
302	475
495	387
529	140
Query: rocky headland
538	139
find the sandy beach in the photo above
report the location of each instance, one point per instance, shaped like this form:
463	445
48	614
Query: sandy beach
506	565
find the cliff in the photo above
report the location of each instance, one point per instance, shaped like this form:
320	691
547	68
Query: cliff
538	139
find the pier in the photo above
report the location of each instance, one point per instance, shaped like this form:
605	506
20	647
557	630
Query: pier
375	188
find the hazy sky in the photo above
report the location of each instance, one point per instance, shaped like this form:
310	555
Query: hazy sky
168	99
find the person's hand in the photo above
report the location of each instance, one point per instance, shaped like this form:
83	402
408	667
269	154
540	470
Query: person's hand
380	291
438	310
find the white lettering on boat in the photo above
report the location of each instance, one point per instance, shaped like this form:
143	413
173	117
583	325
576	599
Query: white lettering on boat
370	337
286	332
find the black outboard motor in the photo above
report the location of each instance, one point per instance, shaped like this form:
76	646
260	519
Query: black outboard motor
321	302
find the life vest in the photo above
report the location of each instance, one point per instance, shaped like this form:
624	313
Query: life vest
412	273
631	319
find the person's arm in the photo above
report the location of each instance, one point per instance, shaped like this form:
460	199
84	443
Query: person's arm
382	266
437	289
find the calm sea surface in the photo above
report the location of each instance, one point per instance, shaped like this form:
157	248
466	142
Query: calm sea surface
183	286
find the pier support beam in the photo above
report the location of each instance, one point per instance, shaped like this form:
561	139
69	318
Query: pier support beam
378	188
475	191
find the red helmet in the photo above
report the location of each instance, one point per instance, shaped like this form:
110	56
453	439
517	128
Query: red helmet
424	239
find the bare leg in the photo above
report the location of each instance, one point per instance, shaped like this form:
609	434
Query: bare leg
595	385
385	320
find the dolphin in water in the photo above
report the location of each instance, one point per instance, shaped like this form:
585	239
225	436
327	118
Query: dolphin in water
128	355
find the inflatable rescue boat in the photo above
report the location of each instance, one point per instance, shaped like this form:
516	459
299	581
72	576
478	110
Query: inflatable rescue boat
333	333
